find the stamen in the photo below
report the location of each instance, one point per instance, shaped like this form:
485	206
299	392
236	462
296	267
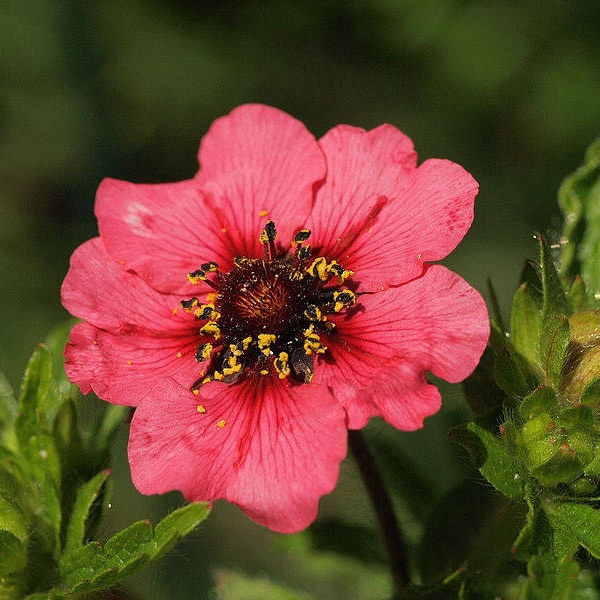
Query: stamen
301	236
268	315
267	239
203	352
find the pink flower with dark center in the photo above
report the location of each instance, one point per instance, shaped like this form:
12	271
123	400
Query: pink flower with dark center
254	313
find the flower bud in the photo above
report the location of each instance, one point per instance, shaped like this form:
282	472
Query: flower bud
583	355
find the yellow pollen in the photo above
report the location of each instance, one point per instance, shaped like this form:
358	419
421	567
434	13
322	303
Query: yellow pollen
264	342
195	391
201	409
179	355
281	365
264	371
175	310
211	328
221	423
263	213
318	269
129	362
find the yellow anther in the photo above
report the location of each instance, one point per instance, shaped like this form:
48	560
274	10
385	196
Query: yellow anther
343	299
318	269
264	342
313	313
204	351
234	366
339	271
301	236
207	312
196	276
189	305
264	371
201	409
218	376
211	328
281	365
269	233
312	343
210	267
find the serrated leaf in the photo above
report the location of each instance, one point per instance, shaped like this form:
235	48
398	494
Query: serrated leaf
554	299
13	553
178	524
542	400
525	325
582	522
554	343
94	567
37	385
495	460
86	496
579	198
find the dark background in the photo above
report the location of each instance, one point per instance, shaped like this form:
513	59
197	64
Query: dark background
126	88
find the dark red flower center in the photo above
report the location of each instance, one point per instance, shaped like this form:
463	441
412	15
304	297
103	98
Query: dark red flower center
268	315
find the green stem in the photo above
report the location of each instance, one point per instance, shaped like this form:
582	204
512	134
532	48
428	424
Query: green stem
383	507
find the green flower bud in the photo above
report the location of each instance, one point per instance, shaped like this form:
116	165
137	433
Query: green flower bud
558	448
583	355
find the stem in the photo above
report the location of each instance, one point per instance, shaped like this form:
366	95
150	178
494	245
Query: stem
383	507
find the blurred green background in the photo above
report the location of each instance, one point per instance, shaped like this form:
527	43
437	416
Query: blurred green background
126	88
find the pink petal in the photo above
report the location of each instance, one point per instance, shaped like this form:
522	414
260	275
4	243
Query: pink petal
270	448
122	368
259	163
103	293
435	323
382	217
160	231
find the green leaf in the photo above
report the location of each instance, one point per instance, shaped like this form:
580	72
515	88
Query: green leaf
87	494
579	198
494	458
94	567
178	524
525	325
582	522
12	517
542	400
13	553
554	343
510	375
36	387
56	342
8	405
554	299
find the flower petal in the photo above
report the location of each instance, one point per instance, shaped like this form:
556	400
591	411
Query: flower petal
122	368
435	323
103	293
258	162
271	448
160	231
380	215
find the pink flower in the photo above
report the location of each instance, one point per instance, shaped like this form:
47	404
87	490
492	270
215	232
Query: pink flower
254	313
